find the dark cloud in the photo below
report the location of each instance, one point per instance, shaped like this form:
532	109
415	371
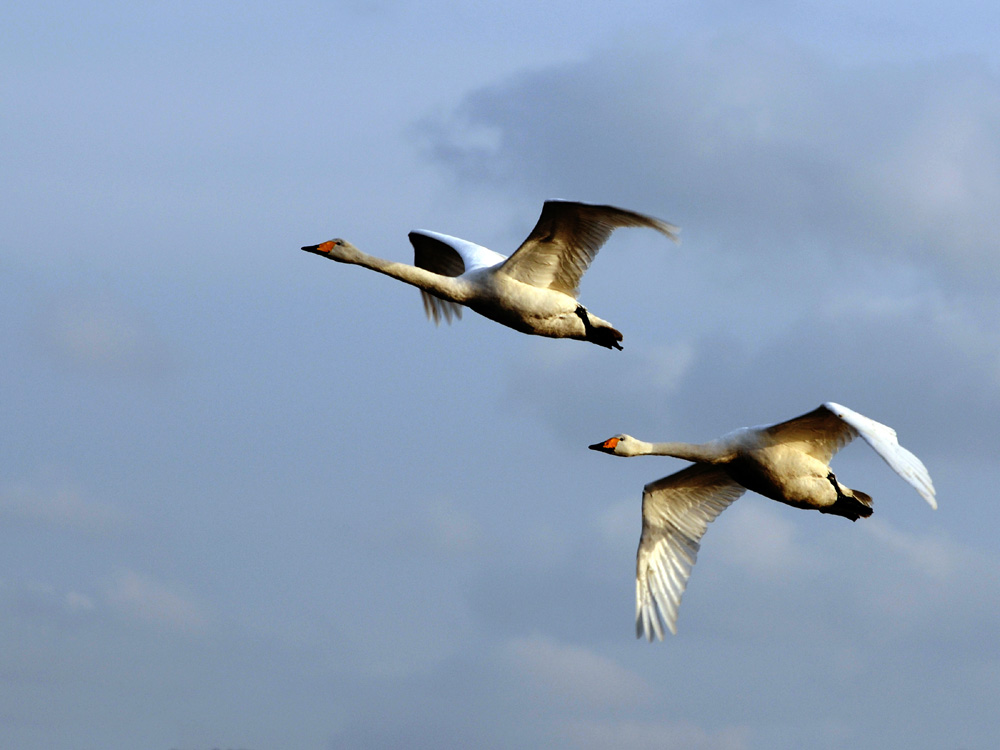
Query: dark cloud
755	143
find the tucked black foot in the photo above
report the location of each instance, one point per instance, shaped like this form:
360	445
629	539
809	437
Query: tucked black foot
854	506
606	337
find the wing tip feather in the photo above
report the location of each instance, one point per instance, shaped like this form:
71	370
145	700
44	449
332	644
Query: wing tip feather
884	440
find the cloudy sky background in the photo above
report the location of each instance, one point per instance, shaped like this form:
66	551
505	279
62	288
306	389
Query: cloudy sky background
253	499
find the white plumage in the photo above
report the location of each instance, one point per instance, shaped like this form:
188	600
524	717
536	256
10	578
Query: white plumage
533	291
787	462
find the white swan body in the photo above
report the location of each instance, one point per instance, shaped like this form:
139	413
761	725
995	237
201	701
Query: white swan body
533	291
787	462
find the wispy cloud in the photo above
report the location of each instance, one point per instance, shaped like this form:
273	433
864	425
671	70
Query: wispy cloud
64	506
936	582
142	598
574	674
760	541
44	602
102	333
590	734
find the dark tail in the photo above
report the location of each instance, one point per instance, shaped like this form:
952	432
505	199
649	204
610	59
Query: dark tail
854	506
606	337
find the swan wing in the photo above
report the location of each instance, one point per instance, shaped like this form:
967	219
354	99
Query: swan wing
883	439
565	240
448	256
820	433
436	308
676	511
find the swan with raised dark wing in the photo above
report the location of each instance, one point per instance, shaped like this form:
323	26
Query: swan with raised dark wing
788	462
533	291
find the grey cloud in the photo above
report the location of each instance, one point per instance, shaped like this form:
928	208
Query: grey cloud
755	143
927	369
841	593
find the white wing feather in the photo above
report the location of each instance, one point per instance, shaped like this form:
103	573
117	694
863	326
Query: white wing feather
883	439
448	256
676	511
474	256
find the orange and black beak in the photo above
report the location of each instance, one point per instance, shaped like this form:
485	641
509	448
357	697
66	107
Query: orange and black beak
608	446
321	249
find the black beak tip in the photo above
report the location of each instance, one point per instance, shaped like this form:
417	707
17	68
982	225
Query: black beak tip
596	447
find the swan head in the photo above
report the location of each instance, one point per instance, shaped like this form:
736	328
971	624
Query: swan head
336	249
619	445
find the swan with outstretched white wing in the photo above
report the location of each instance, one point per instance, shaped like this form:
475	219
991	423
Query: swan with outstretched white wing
533	291
788	462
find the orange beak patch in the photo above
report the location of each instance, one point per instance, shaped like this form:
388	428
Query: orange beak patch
608	446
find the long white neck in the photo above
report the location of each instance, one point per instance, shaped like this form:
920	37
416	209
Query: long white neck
699	452
448	287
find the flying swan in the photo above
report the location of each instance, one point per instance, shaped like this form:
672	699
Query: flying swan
787	462
533	291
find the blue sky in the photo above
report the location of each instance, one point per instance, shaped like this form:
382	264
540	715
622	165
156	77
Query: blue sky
252	499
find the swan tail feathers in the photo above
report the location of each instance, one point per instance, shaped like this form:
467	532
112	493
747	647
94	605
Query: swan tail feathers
609	338
598	331
855	505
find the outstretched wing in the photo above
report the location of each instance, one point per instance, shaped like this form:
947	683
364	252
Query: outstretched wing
883	439
565	240
448	256
820	433
676	511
